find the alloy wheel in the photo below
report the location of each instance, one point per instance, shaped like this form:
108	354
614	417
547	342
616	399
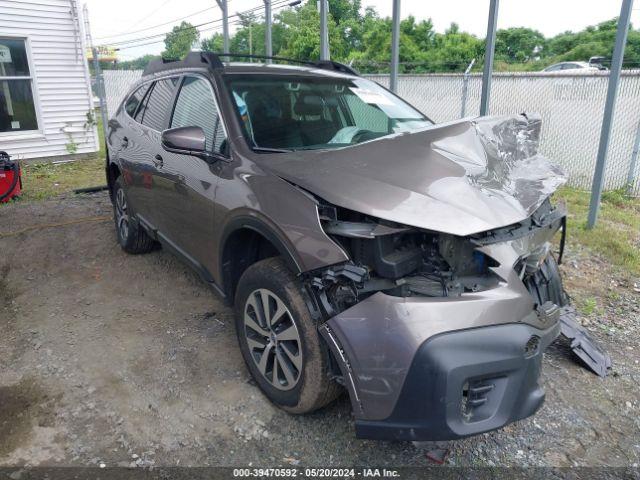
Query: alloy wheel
122	215
273	339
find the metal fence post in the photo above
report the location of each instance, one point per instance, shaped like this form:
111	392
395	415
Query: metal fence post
395	46
324	30
488	57
634	161
609	108
465	87
268	46
100	88
97	71
225	24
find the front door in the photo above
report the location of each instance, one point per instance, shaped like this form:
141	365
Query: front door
143	150
188	202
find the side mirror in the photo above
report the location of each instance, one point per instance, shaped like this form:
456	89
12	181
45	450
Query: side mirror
185	140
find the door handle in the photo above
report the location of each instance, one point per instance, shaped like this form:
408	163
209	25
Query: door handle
158	161
125	142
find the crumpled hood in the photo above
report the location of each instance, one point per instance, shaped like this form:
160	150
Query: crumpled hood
461	177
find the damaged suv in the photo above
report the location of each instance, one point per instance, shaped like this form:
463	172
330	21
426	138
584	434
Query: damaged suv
363	246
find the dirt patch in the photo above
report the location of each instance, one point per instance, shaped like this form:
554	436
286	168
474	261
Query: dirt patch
6	295
140	366
23	407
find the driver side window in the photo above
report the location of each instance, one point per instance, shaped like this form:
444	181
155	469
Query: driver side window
196	107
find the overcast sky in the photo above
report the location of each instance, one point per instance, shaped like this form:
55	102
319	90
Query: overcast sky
120	20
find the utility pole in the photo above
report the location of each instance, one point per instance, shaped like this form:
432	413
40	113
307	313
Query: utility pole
324	30
395	46
609	107
268	46
97	71
225	25
488	57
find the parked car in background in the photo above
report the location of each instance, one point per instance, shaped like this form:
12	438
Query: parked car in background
574	67
362	245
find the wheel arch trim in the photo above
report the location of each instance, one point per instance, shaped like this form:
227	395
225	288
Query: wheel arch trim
263	228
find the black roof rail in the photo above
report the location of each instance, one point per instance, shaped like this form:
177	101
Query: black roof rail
322	64
212	61
192	60
337	66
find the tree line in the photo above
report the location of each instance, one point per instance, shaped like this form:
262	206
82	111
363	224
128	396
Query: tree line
362	38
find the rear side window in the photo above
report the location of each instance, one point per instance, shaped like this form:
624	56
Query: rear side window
158	103
134	100
196	107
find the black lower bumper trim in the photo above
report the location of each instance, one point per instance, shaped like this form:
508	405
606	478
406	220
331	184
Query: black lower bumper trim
467	382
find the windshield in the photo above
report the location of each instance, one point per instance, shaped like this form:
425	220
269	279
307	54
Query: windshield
282	112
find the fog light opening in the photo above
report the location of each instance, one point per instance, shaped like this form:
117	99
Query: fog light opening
532	346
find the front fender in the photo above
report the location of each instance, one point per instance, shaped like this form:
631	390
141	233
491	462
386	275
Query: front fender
284	215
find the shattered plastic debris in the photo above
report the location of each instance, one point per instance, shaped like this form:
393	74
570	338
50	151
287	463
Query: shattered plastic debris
582	344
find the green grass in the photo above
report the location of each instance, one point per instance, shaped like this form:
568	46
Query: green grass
589	305
45	180
101	152
616	235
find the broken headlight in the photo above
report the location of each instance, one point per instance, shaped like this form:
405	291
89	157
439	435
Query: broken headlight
406	261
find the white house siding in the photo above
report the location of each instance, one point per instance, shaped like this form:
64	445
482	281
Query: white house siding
61	84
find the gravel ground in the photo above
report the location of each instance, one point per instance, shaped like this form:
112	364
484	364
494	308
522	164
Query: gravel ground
132	361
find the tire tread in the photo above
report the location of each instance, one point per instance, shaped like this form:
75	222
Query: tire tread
318	388
138	241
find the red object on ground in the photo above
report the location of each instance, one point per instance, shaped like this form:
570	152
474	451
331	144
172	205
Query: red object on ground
438	455
10	178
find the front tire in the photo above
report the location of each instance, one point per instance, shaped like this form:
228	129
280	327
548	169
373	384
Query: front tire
279	339
131	236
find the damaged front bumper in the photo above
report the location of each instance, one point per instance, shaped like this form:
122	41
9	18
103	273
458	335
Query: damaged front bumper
465	383
441	369
451	362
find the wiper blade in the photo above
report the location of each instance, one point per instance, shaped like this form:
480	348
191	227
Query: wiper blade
270	150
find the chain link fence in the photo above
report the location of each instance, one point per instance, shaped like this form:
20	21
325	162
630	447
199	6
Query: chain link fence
571	107
116	85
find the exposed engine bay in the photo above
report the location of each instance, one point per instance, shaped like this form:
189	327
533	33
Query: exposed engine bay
403	261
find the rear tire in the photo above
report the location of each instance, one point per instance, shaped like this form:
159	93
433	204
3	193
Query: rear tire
280	343
131	236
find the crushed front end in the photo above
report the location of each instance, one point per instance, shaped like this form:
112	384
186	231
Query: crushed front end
437	336
438	322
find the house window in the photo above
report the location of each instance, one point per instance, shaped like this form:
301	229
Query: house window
17	106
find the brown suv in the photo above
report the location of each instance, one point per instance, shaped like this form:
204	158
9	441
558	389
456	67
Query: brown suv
362	245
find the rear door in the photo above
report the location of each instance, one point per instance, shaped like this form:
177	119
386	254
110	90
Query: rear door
188	199
125	143
151	181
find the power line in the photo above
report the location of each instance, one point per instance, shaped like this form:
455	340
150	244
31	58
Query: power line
149	14
124	34
216	27
277	4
